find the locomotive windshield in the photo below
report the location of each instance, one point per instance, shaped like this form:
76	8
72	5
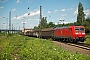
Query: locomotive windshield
79	29
82	29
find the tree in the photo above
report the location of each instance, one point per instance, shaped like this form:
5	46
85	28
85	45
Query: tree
50	24
43	23
36	28
88	19
80	15
87	25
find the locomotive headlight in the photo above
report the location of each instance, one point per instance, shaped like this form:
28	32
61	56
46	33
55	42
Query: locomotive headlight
76	33
83	33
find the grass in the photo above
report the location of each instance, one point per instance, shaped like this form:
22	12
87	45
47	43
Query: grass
87	39
17	47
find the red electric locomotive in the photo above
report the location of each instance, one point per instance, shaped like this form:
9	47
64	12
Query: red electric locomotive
70	34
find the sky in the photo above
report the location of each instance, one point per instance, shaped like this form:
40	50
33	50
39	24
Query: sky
28	12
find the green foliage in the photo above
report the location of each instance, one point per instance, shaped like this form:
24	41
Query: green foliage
36	28
81	15
9	34
2	34
87	29
87	39
17	47
50	24
43	23
86	23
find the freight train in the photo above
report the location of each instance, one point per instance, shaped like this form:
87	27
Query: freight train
68	34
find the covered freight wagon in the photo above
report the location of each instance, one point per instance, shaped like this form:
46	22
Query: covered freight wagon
47	33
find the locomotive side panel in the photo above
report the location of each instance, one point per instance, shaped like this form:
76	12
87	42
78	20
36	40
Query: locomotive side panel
63	32
66	33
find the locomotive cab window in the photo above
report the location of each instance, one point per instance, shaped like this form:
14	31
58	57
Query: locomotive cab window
79	29
82	29
76	29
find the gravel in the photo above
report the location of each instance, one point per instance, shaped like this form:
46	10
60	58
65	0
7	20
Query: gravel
72	48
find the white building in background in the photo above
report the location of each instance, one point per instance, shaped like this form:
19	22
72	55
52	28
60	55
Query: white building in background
25	30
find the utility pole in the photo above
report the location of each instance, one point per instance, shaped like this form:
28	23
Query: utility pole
10	20
19	29
40	20
12	29
40	13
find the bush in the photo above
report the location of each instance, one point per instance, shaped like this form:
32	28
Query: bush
17	47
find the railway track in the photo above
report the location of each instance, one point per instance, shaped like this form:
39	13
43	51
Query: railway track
80	45
81	48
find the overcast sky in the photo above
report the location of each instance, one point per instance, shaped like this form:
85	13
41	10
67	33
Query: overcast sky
54	10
